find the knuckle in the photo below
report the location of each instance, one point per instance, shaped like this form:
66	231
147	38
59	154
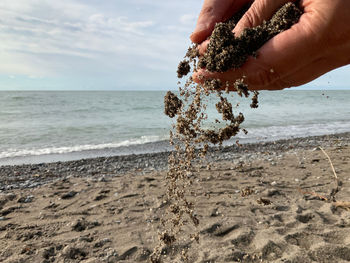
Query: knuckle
248	20
286	82
269	79
251	17
206	10
280	84
263	77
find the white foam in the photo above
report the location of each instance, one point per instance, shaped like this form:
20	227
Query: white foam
304	130
78	148
268	133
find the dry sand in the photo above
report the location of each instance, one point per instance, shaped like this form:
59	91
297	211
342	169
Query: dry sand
95	218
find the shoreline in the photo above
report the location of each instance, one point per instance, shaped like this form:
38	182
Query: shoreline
34	175
159	145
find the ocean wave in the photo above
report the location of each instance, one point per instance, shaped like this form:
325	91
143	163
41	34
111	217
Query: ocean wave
255	134
290	131
79	148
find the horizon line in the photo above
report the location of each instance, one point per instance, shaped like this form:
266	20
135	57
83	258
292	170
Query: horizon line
138	90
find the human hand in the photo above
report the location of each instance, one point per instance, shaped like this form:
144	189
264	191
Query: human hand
318	43
214	11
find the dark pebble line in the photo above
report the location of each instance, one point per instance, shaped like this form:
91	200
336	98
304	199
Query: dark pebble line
34	175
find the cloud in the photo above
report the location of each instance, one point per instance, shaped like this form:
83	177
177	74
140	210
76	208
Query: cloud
188	19
86	39
35	29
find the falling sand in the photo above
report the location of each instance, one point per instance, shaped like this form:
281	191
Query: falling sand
189	137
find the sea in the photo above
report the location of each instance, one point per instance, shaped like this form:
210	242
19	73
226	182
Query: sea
46	126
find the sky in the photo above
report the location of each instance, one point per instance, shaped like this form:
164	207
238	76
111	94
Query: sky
102	45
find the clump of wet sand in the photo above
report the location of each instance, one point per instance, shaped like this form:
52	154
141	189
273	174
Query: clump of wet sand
226	51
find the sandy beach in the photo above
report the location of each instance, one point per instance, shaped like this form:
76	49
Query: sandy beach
267	202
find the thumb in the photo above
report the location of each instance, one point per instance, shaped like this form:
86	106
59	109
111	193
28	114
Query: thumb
259	11
214	11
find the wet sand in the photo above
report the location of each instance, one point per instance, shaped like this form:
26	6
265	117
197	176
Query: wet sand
252	206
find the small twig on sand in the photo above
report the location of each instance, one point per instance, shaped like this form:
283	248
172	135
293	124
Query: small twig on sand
330	161
335	190
342	204
321	197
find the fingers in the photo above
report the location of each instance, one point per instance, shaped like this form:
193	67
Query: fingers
230	76
284	54
259	11
288	52
203	47
309	72
302	76
214	11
